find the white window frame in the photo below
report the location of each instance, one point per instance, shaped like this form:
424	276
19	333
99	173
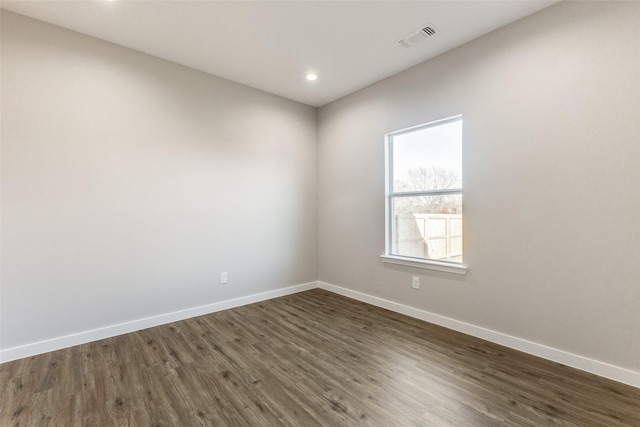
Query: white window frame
388	257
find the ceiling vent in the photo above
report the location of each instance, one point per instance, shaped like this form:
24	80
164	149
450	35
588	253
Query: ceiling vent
418	36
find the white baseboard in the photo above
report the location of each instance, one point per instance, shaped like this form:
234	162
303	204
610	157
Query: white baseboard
58	343
596	367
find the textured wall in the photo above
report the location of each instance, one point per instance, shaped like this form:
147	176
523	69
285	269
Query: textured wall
129	183
551	168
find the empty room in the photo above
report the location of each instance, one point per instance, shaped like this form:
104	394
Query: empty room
320	213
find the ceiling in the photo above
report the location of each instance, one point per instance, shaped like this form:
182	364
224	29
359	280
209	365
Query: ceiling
272	45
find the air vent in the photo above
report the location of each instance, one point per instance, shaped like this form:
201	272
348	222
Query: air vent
418	36
429	31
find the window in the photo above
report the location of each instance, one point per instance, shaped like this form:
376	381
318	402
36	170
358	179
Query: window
424	196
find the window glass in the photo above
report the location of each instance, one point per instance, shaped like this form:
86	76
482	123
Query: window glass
428	159
424	199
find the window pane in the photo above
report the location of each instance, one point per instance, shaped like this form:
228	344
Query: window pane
428	227
428	159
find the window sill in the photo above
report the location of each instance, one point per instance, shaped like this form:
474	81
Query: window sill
426	264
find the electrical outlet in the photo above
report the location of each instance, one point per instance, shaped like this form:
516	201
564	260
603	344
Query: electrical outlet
223	277
416	282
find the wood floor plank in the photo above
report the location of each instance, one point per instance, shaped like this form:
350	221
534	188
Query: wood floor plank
309	359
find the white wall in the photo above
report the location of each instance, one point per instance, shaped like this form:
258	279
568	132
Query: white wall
551	108
129	183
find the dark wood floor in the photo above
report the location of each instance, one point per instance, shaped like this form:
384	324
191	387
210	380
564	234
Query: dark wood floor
309	359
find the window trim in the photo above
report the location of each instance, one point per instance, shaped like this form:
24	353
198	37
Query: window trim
427	264
388	257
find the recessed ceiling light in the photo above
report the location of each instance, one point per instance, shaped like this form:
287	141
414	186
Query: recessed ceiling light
312	76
